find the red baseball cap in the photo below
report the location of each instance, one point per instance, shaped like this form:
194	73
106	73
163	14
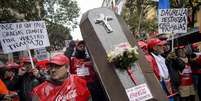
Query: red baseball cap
42	64
27	60
12	65
59	59
155	42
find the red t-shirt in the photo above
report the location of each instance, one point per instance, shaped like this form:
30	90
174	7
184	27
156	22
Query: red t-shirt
72	89
83	69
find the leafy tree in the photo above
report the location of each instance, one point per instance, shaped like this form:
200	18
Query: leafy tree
135	15
60	15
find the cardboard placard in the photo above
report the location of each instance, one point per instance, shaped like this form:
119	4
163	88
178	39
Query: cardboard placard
139	93
23	36
172	20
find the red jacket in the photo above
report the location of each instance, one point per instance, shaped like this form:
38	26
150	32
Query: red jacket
72	89
82	68
153	64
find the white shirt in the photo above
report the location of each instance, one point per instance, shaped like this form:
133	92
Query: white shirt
163	70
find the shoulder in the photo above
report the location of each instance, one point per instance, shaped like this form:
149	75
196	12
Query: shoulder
78	81
40	87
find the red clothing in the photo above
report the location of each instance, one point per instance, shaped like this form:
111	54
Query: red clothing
153	64
72	89
186	76
82	68
3	88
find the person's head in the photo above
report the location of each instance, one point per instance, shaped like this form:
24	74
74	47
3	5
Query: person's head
72	44
180	51
80	50
156	46
12	67
25	63
9	70
195	47
58	66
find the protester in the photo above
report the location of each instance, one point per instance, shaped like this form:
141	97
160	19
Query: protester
43	69
11	77
157	62
82	66
28	78
61	86
70	49
186	88
5	93
195	62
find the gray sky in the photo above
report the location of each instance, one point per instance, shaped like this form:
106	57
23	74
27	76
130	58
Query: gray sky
84	5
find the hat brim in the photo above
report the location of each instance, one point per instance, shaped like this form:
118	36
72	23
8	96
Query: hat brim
162	43
56	62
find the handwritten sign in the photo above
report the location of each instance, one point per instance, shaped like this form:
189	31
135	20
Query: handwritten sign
22	36
41	54
172	20
139	93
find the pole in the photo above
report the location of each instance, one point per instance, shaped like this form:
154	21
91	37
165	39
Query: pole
172	41
32	64
30	57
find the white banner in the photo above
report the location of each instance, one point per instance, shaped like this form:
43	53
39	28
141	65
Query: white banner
22	36
172	20
139	93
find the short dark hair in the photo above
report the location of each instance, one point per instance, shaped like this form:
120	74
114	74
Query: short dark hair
81	43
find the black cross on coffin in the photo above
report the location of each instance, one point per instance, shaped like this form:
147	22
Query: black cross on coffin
99	43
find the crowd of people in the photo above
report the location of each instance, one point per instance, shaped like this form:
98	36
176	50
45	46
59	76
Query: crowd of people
60	78
178	69
71	76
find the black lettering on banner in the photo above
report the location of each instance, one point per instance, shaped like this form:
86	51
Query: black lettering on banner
9	40
39	25
16	45
39	42
173	20
27	25
19	26
164	27
33	31
6	27
31	37
12	33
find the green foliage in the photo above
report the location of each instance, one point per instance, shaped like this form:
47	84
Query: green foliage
62	11
134	9
60	16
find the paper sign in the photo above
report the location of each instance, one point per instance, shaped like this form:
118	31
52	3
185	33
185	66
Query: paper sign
22	36
83	71
41	54
139	93
172	20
